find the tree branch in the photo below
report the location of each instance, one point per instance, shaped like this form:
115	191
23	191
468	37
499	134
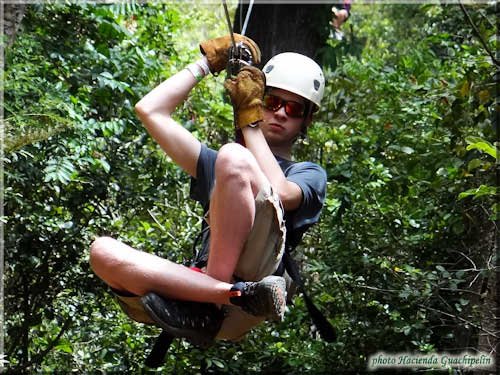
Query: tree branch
478	34
37	358
461	319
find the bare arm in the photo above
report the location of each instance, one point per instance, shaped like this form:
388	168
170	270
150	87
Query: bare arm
246	91
339	16
155	112
289	192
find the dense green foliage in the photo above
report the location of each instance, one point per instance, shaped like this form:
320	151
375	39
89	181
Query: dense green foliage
401	245
402	259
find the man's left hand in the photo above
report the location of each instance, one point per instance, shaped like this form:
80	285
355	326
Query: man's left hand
246	91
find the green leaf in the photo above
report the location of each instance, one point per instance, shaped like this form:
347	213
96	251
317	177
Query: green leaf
65	347
407	150
473	164
481	145
478	192
218	363
60	170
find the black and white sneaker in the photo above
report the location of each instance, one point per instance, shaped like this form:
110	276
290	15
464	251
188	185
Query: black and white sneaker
197	322
266	297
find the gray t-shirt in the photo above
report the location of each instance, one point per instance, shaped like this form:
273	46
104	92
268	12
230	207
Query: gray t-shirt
310	177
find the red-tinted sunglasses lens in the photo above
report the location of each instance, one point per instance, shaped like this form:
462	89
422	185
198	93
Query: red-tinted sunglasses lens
292	109
273	103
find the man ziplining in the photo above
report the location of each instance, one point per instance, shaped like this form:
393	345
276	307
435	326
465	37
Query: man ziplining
256	200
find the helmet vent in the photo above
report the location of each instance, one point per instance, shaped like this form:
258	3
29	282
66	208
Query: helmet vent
317	84
269	68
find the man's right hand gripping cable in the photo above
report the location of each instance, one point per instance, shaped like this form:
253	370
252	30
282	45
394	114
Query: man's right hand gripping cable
217	51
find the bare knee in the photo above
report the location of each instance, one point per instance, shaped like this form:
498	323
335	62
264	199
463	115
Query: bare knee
234	156
235	164
103	256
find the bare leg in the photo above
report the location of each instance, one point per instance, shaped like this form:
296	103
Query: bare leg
232	208
232	212
138	272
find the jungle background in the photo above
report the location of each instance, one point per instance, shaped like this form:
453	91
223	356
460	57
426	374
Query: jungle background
404	258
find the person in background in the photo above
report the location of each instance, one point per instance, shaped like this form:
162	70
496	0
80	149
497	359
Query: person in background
340	14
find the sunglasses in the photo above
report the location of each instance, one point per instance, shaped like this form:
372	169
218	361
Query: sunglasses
292	109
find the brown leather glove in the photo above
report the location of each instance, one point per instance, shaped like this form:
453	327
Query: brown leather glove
246	91
216	51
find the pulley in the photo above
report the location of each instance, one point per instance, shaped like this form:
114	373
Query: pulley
239	54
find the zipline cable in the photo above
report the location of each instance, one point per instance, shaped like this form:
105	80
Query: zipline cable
247	18
245	24
229	23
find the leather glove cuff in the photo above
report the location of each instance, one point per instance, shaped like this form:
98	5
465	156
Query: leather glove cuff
249	115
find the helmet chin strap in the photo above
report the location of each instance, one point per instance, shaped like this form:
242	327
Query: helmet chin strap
306	120
303	132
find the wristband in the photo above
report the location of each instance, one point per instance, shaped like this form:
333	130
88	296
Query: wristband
199	69
203	64
196	71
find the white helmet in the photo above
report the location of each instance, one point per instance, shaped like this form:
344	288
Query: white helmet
296	73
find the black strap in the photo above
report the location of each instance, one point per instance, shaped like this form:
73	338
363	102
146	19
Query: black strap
157	355
324	327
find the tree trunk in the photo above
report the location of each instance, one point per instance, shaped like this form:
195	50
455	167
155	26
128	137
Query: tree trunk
482	245
12	17
280	28
489	310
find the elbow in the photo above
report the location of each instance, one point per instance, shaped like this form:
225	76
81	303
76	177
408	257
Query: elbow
289	204
147	112
141	110
290	200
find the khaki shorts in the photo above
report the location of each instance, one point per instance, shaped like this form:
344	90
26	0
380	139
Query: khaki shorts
260	257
